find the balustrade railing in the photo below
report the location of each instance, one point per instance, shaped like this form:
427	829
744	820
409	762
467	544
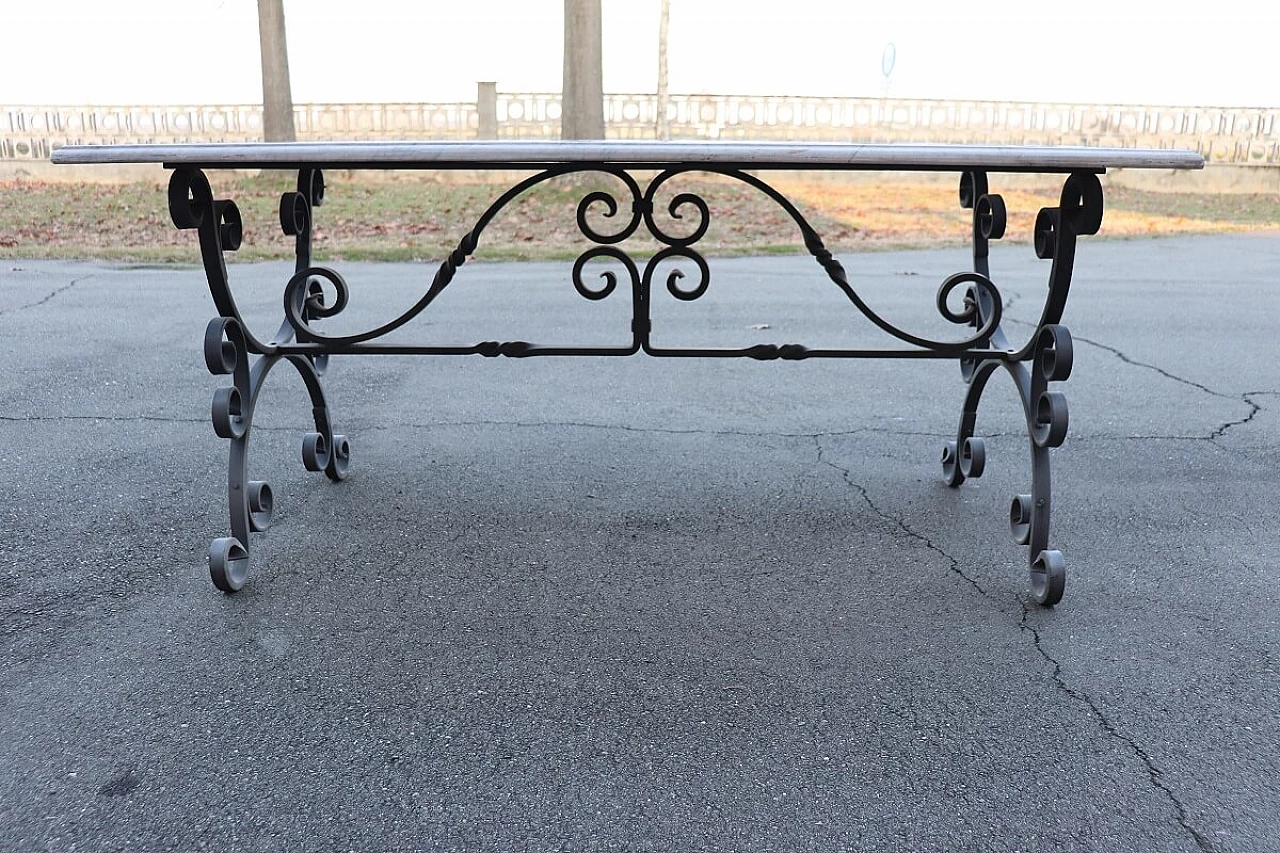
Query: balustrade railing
1221	134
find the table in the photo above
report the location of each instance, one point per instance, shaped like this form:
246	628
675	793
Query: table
968	298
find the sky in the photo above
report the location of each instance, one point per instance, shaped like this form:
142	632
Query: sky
172	52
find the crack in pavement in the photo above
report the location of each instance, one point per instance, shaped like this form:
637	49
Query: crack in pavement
385	427
1217	432
389	426
897	522
1255	408
130	419
110	418
866	430
623	428
1153	772
47	298
134	419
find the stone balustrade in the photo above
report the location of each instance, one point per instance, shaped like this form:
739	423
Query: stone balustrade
1223	135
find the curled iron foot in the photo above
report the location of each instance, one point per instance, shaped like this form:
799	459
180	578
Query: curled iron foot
228	564
951	464
966	463
339	459
1048	577
973	457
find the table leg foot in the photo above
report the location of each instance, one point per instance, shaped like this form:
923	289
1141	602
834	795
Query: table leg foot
228	564
319	454
1048	577
966	462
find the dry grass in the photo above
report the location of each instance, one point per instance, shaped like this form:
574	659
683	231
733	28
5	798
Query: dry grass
422	220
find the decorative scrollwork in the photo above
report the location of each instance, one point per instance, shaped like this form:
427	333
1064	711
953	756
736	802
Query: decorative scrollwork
304	298
226	352
609	277
220	228
611	208
1049	428
973	457
990	216
295	214
223	342
1079	211
836	273
607	219
1048	577
972	185
189	197
1048	349
965	459
261	505
1054	353
969	314
682	207
228	563
315	452
1046	233
190	202
678	202
466	247
1052	362
339	457
230	225
251	502
1081	203
311	185
229	412
676	276
1020	519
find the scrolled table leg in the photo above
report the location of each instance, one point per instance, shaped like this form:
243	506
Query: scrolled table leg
1049	352
231	349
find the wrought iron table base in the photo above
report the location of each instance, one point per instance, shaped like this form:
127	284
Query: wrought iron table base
232	349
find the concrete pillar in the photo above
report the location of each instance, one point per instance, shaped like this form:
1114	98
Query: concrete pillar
487	110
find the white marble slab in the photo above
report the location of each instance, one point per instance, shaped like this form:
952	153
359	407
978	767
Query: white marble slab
747	155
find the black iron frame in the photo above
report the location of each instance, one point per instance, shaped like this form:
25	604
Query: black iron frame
230	347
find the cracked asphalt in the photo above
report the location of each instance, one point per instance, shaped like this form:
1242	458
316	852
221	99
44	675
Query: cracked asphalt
641	604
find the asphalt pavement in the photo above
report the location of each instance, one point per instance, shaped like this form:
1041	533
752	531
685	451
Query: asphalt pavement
640	604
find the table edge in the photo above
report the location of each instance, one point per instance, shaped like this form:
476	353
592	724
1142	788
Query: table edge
482	155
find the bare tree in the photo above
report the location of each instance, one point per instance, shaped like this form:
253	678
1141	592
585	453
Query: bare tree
277	100
582	97
664	127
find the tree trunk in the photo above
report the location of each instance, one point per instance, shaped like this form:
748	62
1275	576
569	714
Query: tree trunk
582	97
277	100
664	127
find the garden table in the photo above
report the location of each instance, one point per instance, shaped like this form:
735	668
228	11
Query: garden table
644	173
